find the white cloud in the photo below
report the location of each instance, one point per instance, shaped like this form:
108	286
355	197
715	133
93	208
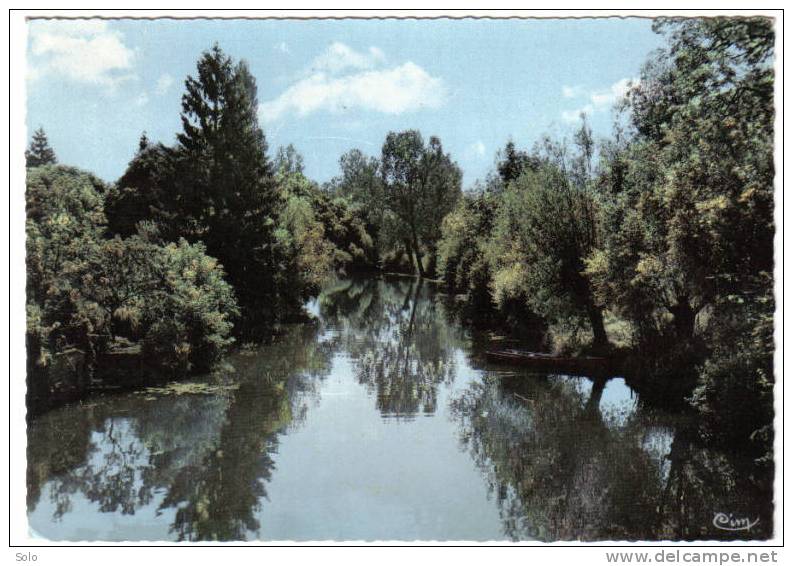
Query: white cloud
84	51
477	149
282	47
340	57
164	84
607	97
598	100
404	88
570	91
142	99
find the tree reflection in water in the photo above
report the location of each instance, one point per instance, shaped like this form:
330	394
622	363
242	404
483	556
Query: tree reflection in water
204	457
397	334
561	462
563	469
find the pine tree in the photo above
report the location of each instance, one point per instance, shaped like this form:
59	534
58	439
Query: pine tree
143	143
39	151
227	188
512	162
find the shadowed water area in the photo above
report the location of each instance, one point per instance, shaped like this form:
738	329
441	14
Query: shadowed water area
380	420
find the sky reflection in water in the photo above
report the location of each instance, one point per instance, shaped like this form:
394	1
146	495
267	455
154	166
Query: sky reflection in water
378	421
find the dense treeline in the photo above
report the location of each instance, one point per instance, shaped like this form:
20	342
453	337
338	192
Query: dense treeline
208	241
667	228
404	196
657	241
89	291
197	245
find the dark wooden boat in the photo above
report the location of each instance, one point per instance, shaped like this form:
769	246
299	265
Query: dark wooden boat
543	361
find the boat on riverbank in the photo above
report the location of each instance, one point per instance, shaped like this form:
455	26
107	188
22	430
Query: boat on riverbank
543	361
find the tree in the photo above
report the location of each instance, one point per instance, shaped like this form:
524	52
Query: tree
361	186
302	235
690	198
723	81
688	220
64	227
39	152
85	289
189	317
324	234
544	229
288	161
359	179
360	182
462	261
144	192
421	185
512	162
225	190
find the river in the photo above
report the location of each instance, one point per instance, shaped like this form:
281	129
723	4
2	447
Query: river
380	420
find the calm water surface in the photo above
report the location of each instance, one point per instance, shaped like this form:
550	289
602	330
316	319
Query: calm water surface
378	421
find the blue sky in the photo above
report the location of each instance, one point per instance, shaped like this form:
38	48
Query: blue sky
328	86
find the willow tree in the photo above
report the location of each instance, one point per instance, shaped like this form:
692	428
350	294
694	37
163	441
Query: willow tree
421	185
545	228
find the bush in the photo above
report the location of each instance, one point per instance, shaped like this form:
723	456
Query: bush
735	392
86	290
461	251
190	316
65	226
544	229
320	234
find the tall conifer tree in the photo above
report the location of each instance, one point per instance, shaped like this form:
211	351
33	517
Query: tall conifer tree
226	188
40	152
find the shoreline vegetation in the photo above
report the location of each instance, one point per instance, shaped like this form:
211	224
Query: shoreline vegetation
653	246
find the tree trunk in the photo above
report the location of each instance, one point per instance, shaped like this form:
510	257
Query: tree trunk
419	265
432	268
412	321
593	403
598	330
417	256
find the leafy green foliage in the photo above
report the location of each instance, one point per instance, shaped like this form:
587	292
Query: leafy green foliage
669	225
689	200
301	235
224	191
544	229
278	235
462	261
323	234
85	291
217	186
190	319
630	271
64	228
288	161
142	193
512	162
421	185
735	391
359	180
361	185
